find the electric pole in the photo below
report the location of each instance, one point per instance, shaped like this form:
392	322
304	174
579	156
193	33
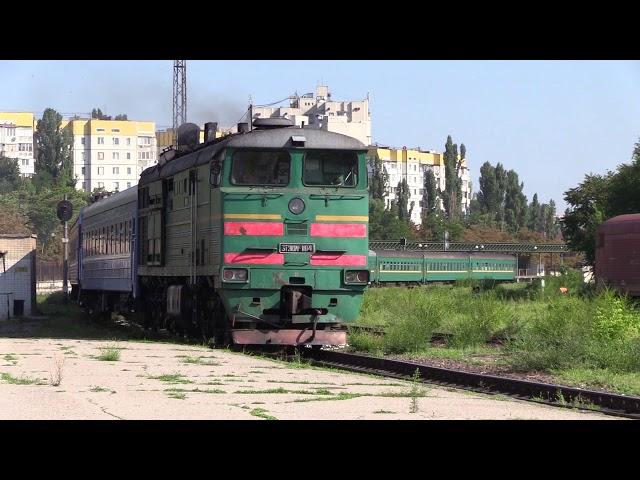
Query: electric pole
179	96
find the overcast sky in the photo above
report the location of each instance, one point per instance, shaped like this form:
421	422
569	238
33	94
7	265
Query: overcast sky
551	121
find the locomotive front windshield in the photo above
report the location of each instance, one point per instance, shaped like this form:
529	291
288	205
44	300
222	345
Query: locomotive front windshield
331	168
260	167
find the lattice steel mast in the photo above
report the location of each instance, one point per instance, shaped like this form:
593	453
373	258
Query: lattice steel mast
179	95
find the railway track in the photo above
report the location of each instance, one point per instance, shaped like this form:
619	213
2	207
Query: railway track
556	395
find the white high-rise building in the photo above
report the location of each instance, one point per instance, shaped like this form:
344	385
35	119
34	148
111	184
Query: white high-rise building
16	140
111	154
350	118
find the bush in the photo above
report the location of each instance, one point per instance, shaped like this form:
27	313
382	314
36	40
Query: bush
483	318
365	342
555	339
414	327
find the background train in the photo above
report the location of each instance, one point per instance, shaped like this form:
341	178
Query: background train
410	267
255	238
618	254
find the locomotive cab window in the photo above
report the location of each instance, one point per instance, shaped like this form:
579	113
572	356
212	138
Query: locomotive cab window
255	167
331	168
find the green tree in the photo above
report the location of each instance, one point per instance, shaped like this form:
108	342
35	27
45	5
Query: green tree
379	177
402	201
535	214
515	203
453	187
97	114
430	195
624	189
501	188
550	222
9	174
54	161
384	224
122	116
587	209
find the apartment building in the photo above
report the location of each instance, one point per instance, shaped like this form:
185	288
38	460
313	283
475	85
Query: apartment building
320	111
16	139
111	154
412	165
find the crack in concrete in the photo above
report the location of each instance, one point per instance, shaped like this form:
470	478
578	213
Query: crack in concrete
104	410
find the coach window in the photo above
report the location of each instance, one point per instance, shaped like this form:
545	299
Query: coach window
254	167
331	168
120	239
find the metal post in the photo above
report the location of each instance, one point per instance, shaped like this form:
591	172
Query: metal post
65	260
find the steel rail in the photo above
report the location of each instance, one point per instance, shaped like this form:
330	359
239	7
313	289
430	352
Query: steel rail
556	395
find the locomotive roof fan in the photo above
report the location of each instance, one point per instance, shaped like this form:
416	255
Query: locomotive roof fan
188	136
270	123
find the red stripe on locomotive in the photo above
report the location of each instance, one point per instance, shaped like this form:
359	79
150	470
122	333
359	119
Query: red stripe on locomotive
253	228
255	258
355	230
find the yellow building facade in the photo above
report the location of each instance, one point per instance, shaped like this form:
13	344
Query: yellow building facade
111	154
16	139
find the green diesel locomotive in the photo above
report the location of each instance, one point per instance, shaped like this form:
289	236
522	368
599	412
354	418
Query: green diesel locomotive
255	238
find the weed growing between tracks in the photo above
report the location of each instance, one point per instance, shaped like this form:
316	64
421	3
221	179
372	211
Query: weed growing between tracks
583	338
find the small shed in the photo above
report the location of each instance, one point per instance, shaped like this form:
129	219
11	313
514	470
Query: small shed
17	275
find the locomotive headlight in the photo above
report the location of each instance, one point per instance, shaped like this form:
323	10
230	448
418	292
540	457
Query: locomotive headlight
356	276
296	205
235	275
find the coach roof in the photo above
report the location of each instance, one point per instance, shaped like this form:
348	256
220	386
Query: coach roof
271	138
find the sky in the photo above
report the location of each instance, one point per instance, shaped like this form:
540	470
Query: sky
550	121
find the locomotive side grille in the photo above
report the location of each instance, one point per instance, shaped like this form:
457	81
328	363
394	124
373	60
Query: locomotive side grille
297	228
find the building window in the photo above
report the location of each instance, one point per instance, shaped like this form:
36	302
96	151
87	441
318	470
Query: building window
115	130
116	185
128	141
116	170
99	129
144	140
100	155
82	170
128	170
115	155
100	170
100	184
116	141
128	154
100	140
82	140
128	184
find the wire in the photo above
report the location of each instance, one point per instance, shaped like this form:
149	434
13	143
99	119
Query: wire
275	103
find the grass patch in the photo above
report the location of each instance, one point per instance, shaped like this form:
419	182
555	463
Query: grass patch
22	380
109	354
172	378
262	413
199	361
582	337
98	389
9	357
195	390
383	411
627	383
177	395
318	391
339	396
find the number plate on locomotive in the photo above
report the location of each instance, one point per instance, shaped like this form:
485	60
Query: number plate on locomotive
297	247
